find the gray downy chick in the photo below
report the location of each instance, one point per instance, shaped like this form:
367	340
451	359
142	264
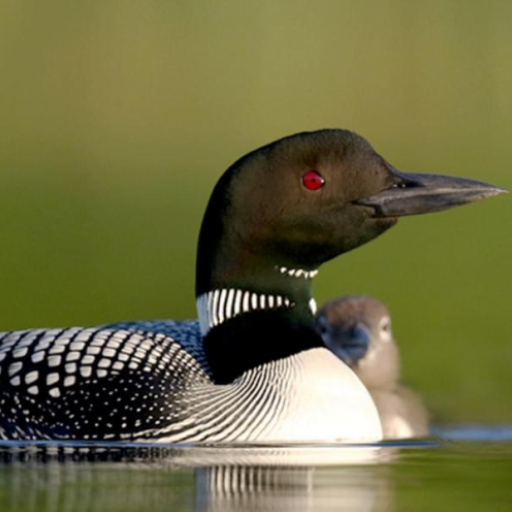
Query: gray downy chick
358	330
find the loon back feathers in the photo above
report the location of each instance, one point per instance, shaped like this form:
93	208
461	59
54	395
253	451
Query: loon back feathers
96	383
260	373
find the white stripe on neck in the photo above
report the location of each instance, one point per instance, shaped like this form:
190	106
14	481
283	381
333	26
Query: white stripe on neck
217	306
298	272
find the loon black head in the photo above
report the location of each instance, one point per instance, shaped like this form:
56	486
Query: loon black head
358	330
280	212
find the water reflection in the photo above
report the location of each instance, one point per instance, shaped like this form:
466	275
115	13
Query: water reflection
50	479
258	489
446	475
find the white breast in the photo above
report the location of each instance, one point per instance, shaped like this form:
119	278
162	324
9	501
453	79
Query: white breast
326	402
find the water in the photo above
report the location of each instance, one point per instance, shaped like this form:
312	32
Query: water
463	468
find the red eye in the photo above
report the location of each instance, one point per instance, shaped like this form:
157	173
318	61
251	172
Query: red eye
313	180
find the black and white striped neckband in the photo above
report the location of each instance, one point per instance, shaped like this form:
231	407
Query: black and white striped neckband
217	306
297	272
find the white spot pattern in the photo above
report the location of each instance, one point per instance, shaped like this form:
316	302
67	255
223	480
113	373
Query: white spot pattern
15	368
52	378
86	371
38	356
31	377
52	386
54	360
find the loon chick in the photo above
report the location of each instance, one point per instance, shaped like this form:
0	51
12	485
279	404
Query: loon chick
358	330
257	370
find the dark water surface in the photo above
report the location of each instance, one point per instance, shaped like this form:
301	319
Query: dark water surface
462	468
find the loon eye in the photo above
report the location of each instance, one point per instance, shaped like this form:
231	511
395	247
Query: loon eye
313	180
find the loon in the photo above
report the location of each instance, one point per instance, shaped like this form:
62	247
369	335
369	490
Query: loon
254	369
358	330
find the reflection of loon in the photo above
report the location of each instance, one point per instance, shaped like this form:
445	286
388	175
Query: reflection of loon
260	373
358	330
164	480
241	488
281	489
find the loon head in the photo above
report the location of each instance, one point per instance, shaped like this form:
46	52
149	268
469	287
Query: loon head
281	211
358	330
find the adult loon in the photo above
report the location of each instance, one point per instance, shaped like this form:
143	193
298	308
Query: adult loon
256	371
358	330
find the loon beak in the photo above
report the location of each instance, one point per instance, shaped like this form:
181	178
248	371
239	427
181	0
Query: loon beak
413	194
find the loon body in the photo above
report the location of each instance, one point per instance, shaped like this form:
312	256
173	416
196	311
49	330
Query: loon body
134	381
358	330
253	369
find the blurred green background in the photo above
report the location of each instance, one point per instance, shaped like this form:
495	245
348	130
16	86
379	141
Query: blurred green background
117	118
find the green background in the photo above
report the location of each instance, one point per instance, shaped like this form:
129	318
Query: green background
117	117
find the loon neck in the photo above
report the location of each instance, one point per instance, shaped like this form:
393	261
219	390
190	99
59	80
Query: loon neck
284	289
252	295
266	316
